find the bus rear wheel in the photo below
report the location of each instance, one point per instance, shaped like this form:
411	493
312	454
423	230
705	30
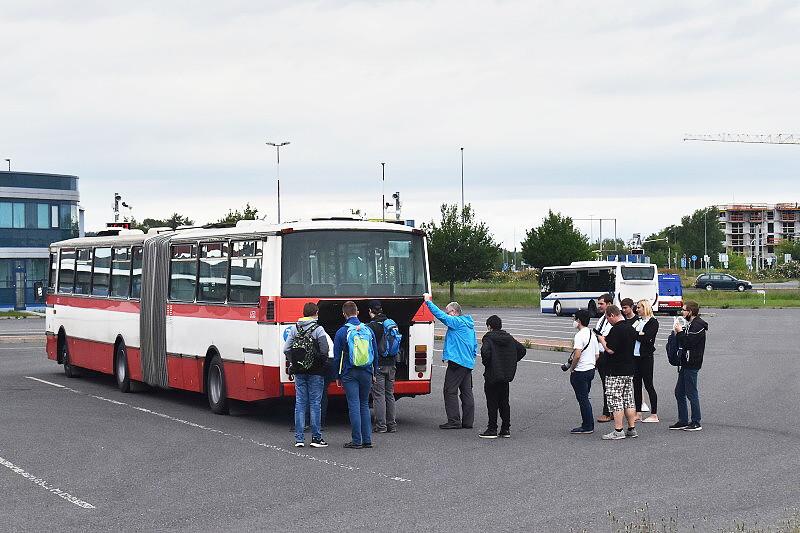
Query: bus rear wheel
215	387
69	370
557	309
121	369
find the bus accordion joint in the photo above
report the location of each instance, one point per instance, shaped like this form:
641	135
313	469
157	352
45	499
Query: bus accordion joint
420	359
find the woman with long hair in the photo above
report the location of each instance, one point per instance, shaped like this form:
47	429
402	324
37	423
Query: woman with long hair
647	328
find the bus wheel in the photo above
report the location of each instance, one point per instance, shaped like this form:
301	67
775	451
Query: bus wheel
217	396
69	370
121	369
557	308
593	309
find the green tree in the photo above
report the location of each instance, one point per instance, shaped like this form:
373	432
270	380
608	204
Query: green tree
459	247
173	222
788	247
699	232
555	242
658	249
248	213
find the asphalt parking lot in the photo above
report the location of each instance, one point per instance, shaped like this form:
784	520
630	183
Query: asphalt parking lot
79	455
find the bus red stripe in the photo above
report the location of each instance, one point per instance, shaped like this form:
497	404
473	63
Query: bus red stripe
89	302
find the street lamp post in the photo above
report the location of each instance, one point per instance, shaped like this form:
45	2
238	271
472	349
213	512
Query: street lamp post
383	192
278	172
9	164
462	181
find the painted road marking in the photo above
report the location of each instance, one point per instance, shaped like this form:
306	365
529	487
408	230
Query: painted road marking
526	360
272	447
45	485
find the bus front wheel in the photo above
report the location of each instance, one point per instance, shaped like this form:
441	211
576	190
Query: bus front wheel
69	370
557	309
215	387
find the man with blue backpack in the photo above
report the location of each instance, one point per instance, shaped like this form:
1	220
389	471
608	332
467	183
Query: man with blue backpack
387	338
354	357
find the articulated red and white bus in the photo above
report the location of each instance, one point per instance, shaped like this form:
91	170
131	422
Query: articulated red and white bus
206	309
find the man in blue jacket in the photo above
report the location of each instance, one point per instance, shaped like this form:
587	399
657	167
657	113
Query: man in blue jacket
460	347
357	381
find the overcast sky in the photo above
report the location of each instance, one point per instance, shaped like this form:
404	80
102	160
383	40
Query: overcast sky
575	106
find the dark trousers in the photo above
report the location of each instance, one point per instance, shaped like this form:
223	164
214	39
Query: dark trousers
458	379
582	383
497	400
643	372
602	371
686	387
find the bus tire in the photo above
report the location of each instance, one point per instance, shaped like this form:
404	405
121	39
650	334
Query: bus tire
69	370
557	309
215	387
121	368
593	309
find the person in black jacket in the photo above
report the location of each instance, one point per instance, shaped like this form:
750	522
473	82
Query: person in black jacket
646	326
691	338
383	387
500	353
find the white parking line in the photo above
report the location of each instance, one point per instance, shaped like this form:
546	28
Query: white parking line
201	427
45	485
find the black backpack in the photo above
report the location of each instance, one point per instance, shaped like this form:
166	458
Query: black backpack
304	355
675	352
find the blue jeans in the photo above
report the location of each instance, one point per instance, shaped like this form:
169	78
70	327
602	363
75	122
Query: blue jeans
686	387
357	384
308	395
582	382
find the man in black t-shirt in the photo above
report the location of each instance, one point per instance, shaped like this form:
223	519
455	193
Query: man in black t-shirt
618	345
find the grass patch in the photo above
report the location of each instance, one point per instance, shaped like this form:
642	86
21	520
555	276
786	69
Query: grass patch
505	297
16	314
744	300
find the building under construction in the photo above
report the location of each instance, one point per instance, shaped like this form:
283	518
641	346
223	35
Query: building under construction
754	230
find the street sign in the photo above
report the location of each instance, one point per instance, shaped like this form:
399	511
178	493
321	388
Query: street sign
694	258
787	258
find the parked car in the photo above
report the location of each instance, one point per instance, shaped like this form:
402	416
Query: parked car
670	294
710	282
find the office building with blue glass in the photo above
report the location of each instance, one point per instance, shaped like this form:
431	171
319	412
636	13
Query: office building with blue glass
35	210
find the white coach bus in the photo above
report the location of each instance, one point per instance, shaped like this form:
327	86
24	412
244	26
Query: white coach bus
565	289
205	309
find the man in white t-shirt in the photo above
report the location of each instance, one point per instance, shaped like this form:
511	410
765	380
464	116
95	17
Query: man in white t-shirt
602	327
584	357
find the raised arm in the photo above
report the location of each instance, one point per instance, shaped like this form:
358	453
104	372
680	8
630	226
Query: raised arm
443	317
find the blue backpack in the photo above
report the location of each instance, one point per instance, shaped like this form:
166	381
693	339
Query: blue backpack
359	346
390	344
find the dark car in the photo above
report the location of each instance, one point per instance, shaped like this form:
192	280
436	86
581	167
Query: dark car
722	281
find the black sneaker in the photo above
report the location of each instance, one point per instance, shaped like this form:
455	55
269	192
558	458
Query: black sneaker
367	445
353	446
380	430
488	434
505	434
449	426
318	443
679	425
694	426
392	429
581	431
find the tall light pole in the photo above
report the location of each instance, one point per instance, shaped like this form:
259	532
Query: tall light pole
9	164
278	171
383	192
705	238
462	181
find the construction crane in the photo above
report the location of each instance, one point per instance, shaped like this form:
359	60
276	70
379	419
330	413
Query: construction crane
776	138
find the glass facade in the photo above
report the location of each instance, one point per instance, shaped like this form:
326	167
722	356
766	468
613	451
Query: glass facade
31	223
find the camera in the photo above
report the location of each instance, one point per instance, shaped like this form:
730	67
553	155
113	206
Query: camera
566	366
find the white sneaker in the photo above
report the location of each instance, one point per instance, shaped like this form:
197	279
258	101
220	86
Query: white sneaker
299	444
614	435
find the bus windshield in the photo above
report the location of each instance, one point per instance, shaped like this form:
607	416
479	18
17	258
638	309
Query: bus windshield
353	263
631	273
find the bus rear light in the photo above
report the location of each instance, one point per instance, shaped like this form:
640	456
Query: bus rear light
271	310
420	358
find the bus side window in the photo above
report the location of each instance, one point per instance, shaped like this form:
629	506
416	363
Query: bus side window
83	271
51	280
121	272
66	272
245	272
213	285
183	272
136	271
101	271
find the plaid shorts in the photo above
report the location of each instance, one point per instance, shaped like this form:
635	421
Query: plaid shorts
619	393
